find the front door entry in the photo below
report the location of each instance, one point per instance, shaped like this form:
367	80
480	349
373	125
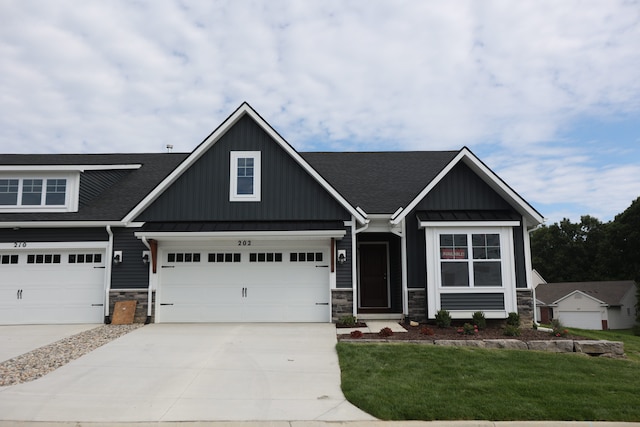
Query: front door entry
374	283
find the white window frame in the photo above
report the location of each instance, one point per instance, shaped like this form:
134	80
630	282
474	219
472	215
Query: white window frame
233	176
71	193
434	278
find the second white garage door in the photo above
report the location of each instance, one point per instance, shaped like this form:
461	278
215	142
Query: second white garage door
581	319
49	286
260	283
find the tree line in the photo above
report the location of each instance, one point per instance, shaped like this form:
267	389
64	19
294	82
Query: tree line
589	250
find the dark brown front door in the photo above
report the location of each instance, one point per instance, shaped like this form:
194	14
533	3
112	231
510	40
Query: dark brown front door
374	286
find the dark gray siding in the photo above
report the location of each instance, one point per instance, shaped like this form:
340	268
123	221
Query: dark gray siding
93	183
344	273
395	265
416	254
54	235
132	273
462	189
476	302
287	191
518	249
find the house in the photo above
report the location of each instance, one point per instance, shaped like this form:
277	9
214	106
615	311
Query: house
588	305
245	228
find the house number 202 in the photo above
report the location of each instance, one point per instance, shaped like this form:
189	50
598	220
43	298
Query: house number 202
244	242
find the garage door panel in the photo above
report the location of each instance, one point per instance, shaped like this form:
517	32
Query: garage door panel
44	287
581	319
255	287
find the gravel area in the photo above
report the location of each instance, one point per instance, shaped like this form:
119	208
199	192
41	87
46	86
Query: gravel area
39	362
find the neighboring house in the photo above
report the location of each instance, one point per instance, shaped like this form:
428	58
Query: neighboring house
247	229
588	305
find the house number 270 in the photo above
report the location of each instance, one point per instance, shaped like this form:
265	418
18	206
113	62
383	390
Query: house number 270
19	244
244	242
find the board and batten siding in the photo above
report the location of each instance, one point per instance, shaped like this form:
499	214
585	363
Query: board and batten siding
132	272
288	192
460	190
344	273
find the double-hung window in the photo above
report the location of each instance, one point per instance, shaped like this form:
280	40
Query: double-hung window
245	176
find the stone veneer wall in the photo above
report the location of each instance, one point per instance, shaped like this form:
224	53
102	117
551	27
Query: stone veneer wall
141	296
417	300
525	306
341	303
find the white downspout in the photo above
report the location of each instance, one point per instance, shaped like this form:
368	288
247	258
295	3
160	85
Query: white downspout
149	290
107	265
354	265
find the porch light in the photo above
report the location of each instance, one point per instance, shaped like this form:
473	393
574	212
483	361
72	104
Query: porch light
342	256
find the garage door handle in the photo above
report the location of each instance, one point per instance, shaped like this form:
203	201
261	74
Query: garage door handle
322	303
100	267
168	266
166	303
322	266
97	305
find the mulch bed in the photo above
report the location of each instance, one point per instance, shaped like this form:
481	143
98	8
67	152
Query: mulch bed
493	331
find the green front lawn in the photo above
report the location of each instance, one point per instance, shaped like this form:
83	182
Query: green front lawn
422	382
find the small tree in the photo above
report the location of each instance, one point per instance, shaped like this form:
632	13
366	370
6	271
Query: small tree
443	319
479	320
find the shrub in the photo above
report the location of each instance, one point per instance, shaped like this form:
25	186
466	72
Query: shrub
443	319
511	331
479	320
469	329
356	334
426	330
513	319
385	332
348	321
558	328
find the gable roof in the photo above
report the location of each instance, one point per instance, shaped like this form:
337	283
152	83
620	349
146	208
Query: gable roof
380	182
244	109
609	292
465	155
116	200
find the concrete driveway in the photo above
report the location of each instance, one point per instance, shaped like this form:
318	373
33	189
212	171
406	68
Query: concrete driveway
194	372
19	339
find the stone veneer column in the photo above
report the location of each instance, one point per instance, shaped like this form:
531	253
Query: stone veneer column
417	305
525	306
141	296
341	303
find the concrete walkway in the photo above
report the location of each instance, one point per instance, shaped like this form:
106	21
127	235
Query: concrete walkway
194	372
19	339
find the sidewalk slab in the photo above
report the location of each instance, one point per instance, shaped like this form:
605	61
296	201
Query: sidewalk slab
20	339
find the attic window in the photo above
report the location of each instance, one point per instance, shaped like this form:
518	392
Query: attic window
37	193
244	176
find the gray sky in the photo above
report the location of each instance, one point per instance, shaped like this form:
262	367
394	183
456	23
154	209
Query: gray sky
546	93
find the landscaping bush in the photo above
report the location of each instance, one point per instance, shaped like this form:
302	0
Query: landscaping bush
468	329
558	328
443	319
479	320
356	334
513	319
348	321
385	332
511	331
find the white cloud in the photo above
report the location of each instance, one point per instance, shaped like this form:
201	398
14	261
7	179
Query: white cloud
505	78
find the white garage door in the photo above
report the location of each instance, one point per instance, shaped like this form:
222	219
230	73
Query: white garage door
48	286
581	319
259	283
